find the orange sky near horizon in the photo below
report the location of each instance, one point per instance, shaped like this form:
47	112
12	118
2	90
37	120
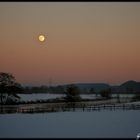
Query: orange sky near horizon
85	42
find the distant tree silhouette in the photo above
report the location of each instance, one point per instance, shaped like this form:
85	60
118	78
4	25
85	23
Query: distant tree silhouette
136	97
106	93
118	98
129	90
92	91
73	93
8	85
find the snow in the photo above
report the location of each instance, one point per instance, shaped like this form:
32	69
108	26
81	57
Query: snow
95	124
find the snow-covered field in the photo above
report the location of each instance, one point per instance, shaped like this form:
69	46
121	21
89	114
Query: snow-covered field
124	95
45	96
96	124
34	97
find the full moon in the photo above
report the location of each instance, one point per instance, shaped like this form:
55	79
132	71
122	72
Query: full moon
41	38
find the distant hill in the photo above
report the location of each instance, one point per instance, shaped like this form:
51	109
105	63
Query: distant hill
127	87
85	87
130	86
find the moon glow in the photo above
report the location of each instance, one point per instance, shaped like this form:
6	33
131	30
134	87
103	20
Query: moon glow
41	38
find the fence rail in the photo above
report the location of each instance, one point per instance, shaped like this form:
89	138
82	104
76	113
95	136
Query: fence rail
67	107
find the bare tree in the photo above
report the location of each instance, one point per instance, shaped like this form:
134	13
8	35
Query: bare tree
8	85
73	93
106	93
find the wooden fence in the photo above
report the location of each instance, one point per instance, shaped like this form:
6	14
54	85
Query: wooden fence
67	107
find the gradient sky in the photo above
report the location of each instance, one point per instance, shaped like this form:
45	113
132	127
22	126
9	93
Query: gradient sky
86	42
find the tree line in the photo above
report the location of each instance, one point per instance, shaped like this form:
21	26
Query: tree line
9	87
